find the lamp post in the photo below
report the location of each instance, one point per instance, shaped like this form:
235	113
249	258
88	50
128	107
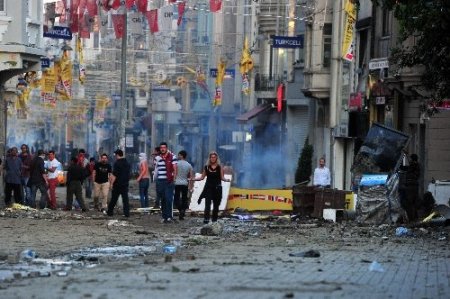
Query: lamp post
123	87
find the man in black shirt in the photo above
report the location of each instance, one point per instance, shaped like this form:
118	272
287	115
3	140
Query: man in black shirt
101	176
75	177
119	183
38	180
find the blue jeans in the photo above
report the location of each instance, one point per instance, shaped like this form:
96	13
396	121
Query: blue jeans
88	187
164	190
143	191
27	191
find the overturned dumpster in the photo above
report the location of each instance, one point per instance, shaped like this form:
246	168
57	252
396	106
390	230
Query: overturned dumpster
375	175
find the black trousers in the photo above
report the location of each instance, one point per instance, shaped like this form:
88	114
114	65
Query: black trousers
9	189
409	197
214	196
116	192
181	199
75	187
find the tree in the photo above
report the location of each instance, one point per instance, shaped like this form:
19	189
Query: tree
428	21
304	164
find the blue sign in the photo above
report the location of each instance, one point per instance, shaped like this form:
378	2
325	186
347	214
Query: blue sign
373	179
287	41
228	73
59	32
45	63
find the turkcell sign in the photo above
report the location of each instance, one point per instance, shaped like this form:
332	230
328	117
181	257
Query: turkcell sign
287	41
59	32
228	73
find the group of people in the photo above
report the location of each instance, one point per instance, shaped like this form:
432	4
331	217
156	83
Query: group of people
24	175
173	175
174	179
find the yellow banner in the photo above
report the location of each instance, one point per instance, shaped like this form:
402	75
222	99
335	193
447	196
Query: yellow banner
260	199
48	81
347	42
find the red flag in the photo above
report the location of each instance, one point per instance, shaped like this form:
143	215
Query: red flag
82	5
152	18
280	96
115	4
92	7
84	26
108	4
118	23
105	4
181	9
141	5
74	22
129	3
215	5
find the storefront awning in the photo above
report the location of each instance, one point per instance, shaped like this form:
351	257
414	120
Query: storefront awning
253	112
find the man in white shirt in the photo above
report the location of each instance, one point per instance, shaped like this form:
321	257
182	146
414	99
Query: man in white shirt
322	176
52	166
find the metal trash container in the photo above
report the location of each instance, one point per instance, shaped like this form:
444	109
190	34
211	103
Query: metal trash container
326	198
303	199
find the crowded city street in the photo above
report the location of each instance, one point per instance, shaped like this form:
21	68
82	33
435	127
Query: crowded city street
260	149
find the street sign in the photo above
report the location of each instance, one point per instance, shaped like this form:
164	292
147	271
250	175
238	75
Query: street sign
378	64
59	32
287	41
45	63
228	73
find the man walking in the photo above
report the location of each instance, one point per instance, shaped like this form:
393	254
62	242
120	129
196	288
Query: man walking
38	180
101	176
166	170
52	166
13	167
182	184
322	176
119	182
75	176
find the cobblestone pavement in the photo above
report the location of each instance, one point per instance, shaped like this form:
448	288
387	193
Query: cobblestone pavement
247	260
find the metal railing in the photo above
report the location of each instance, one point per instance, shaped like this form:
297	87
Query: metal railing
266	82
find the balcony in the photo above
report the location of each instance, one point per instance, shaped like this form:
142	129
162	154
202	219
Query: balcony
266	86
317	84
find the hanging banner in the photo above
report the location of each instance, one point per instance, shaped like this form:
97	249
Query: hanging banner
136	23
245	84
347	42
217	96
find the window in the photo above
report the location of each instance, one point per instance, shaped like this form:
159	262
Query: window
327	33
386	29
2	5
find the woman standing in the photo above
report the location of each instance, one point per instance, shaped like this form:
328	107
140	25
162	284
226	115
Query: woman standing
212	191
143	180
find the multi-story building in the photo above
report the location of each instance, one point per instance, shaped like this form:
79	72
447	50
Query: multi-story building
396	98
20	49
